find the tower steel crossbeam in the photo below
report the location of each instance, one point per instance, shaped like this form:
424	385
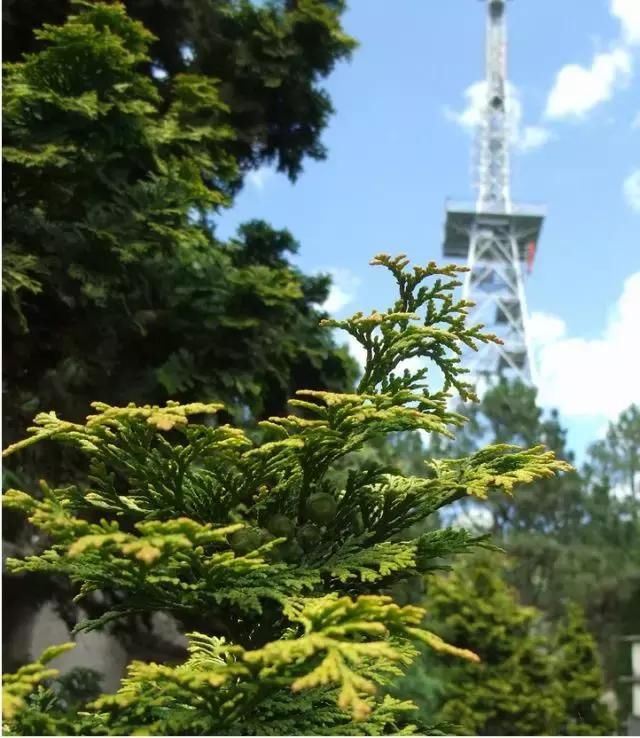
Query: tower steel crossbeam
495	236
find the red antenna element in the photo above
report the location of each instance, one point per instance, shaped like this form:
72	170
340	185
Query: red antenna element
531	255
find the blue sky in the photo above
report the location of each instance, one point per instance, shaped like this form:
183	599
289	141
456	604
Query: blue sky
400	144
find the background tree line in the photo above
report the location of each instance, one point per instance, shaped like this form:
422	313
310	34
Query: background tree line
571	540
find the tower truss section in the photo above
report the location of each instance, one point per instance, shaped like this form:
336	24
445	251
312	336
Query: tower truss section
496	237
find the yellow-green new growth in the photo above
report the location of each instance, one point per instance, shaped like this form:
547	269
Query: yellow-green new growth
392	337
18	686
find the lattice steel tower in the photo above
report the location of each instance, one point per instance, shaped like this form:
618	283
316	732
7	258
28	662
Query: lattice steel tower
496	237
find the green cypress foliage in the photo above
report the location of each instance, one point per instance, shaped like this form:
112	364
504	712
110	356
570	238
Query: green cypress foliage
297	632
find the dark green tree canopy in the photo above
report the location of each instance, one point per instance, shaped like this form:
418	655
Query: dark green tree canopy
113	282
270	58
114	285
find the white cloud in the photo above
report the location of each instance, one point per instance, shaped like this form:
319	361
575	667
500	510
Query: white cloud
628	13
344	286
533	137
636	122
523	138
631	189
544	328
355	349
590	378
471	116
337	299
578	89
259	177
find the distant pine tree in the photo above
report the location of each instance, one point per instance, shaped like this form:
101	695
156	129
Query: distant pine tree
529	681
579	675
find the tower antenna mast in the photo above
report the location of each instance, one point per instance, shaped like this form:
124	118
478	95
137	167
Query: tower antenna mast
495	236
494	185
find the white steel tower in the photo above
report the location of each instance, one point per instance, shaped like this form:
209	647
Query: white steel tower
496	237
